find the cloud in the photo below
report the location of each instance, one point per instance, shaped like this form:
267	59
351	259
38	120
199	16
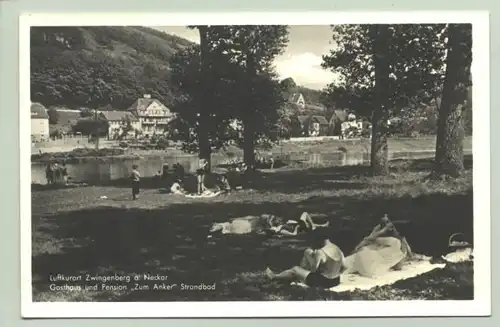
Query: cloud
305	69
181	31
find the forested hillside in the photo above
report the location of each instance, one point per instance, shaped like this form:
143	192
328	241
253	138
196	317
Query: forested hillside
97	66
107	66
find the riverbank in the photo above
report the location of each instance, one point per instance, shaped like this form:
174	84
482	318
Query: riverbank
283	150
166	234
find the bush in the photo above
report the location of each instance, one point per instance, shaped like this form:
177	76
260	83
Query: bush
53	116
77	153
55	134
352	131
366	132
91	127
162	144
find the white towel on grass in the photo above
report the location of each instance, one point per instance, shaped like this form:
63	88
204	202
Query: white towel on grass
461	255
350	282
206	194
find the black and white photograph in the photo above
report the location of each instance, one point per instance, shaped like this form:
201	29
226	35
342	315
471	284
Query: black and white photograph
255	165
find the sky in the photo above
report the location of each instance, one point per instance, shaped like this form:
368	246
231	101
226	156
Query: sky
301	59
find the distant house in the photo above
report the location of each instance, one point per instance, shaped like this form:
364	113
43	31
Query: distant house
39	122
116	121
298	100
352	124
338	117
313	125
153	115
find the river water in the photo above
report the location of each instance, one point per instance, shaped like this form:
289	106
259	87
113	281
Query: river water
104	171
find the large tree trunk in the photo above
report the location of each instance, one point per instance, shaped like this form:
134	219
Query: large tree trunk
97	130
248	121
449	159
248	143
380	116
205	150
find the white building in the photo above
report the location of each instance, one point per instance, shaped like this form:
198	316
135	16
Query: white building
153	115
297	99
39	123
116	121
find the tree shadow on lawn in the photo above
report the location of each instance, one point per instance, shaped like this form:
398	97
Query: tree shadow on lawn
172	241
304	180
292	181
425	164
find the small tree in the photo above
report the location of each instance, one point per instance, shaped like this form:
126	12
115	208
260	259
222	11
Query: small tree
86	113
90	127
53	116
125	127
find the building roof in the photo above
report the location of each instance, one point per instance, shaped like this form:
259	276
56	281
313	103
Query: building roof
339	115
38	111
118	115
144	102
141	104
320	119
303	119
294	97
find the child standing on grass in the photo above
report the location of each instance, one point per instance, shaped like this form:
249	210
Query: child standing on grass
136	178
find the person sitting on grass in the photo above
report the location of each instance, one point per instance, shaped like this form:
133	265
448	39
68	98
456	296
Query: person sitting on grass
321	265
381	251
224	184
179	172
176	188
165	171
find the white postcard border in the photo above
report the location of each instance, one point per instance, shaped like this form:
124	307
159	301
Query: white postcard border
480	306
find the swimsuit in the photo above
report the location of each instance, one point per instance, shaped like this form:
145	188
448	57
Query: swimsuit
315	279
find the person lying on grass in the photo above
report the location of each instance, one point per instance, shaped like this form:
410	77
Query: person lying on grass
321	265
266	223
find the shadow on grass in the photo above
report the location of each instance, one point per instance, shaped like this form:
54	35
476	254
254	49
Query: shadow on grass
172	241
424	164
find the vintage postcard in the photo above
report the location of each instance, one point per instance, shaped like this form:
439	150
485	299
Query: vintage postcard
255	164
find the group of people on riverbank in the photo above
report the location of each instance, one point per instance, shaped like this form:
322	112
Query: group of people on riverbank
174	179
56	173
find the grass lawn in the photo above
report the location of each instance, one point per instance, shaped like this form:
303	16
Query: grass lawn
75	233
